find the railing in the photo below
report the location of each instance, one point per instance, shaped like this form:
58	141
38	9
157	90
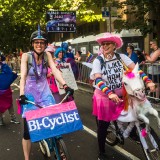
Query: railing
154	68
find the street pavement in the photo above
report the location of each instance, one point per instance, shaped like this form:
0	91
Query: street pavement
82	145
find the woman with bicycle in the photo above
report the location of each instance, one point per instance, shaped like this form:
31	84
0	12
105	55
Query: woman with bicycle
33	83
107	74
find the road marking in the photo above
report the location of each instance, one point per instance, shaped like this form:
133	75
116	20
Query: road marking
129	155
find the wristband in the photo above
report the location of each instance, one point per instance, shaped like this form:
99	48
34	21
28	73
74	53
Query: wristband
145	78
102	86
64	86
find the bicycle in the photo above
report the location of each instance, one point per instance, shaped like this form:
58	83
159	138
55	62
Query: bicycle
150	142
54	144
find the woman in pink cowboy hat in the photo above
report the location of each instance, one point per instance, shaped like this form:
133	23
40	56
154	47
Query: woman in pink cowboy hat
107	102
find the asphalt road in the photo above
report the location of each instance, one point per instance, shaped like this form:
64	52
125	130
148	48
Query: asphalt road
82	145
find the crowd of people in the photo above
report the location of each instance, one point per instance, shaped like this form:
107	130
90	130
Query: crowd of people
38	81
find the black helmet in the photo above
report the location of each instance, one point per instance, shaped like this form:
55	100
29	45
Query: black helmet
38	35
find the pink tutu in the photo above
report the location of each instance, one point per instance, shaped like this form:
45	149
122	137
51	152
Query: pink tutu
5	100
104	108
52	82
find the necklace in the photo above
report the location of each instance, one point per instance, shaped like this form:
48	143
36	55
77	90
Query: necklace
38	72
109	56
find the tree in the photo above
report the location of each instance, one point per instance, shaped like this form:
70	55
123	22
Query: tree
19	18
142	14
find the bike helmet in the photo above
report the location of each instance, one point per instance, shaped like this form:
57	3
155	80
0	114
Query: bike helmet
38	35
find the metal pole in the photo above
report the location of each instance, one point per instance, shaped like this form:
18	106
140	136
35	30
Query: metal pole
110	22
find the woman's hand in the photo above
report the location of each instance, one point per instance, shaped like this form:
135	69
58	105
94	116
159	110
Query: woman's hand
115	98
151	86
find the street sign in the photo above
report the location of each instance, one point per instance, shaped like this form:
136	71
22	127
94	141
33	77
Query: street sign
105	12
61	21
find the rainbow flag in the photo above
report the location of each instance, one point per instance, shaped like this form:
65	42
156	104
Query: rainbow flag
89	57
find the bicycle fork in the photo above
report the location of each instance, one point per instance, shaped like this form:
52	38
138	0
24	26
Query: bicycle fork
56	150
118	133
142	138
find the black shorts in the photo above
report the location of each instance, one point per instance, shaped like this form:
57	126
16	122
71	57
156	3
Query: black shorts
26	135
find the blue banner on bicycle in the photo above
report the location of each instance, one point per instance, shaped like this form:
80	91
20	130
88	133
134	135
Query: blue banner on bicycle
53	121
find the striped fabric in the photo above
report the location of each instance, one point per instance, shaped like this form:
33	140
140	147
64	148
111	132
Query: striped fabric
99	82
144	76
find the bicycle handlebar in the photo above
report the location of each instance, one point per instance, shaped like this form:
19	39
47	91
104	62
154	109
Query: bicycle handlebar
37	105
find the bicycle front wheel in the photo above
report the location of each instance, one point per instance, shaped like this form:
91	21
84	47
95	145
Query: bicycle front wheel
62	150
112	138
152	152
44	148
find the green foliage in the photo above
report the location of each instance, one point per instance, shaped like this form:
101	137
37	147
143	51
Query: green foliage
19	18
144	15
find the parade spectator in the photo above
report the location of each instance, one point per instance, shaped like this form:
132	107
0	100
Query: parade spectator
34	83
77	56
89	57
131	54
154	70
141	58
6	100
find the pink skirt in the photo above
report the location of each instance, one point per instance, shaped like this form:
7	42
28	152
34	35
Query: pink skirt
104	108
5	100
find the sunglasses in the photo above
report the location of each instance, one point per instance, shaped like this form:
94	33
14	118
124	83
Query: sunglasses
41	43
150	44
107	43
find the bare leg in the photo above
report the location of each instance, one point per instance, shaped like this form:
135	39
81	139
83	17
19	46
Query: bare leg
13	116
26	148
11	110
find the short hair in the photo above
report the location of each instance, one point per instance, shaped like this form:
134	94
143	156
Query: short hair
131	47
154	41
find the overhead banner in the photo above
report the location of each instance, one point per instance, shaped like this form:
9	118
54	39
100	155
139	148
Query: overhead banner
53	121
61	21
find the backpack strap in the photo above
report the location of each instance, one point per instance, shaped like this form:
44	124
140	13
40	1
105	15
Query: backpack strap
120	59
118	56
29	65
45	60
102	62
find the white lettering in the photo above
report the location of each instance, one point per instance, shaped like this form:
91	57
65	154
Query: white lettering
43	122
32	125
47	122
76	116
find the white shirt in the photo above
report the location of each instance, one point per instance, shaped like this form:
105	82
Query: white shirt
112	73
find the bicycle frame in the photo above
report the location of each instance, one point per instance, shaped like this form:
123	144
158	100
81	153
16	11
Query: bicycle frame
149	141
53	146
142	139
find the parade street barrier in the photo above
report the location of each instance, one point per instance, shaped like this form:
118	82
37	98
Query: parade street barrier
53	121
151	69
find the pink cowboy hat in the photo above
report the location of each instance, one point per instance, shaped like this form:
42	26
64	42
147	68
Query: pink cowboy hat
108	37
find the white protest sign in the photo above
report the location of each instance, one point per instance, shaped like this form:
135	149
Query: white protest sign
68	76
